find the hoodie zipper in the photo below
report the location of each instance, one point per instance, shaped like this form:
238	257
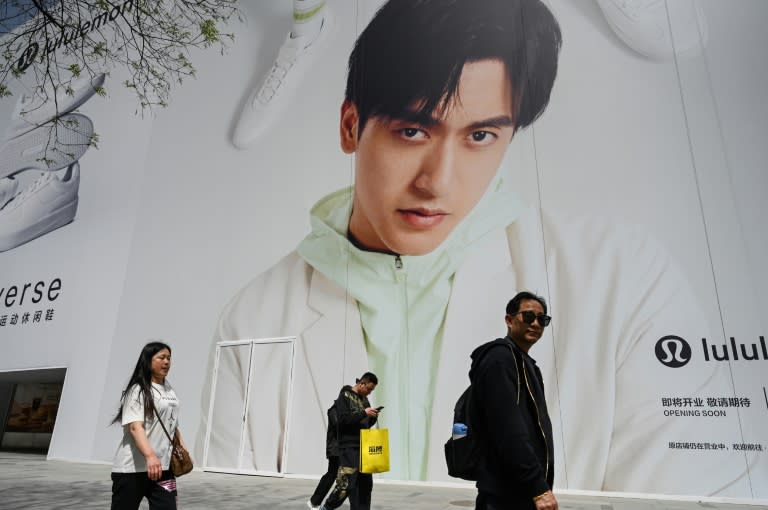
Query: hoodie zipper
538	419
401	277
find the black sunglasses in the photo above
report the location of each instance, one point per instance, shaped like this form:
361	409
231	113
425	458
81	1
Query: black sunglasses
529	317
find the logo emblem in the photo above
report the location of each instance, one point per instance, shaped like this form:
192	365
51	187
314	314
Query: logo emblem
27	57
673	351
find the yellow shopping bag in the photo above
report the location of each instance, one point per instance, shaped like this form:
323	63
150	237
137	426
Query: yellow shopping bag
374	450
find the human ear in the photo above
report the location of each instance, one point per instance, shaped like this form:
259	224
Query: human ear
348	127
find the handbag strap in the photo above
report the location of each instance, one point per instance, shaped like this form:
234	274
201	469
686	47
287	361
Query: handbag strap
161	422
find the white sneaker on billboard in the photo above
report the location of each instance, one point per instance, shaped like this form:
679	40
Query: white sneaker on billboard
48	203
644	26
32	111
52	146
270	98
8	187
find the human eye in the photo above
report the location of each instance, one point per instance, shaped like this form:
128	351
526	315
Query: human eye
412	133
482	137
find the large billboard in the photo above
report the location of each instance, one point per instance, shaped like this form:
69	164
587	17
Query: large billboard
383	220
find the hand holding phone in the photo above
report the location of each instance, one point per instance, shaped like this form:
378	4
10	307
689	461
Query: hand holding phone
380	408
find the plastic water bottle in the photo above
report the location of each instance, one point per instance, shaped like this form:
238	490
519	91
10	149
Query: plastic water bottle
459	430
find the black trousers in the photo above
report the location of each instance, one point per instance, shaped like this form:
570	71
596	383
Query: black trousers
128	489
326	482
353	484
486	501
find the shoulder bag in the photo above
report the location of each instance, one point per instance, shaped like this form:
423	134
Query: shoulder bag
181	462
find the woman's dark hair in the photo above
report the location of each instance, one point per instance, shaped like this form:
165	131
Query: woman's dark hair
142	377
411	55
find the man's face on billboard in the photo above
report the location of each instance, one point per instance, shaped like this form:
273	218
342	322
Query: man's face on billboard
416	178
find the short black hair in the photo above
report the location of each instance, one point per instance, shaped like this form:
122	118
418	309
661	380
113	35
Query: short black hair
514	304
412	53
368	377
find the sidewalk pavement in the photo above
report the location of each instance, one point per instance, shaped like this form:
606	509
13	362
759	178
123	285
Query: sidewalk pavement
29	481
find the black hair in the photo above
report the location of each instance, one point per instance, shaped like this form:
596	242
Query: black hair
412	53
142	376
368	377
514	304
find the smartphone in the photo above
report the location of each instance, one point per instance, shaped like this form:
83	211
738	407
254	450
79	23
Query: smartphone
380	408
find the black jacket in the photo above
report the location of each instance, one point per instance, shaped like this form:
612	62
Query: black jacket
509	416
350	409
331	435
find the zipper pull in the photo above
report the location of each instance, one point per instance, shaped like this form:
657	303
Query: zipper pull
398	262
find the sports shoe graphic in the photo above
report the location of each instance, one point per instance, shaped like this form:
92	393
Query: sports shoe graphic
52	146
33	111
274	94
48	203
644	26
8	189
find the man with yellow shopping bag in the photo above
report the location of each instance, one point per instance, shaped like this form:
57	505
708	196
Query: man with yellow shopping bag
355	417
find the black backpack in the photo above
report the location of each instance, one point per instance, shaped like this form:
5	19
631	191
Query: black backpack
332	434
463	454
333	416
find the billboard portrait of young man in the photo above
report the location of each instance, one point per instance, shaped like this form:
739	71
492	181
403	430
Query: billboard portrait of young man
404	271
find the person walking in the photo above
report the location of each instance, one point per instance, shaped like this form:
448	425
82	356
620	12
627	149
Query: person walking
354	413
509	414
332	454
141	465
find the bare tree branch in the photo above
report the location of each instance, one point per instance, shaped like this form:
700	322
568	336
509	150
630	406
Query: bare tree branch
46	45
150	39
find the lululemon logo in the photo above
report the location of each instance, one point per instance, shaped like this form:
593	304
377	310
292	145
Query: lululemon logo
673	351
27	57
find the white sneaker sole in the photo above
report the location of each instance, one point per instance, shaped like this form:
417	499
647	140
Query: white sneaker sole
49	147
49	110
56	219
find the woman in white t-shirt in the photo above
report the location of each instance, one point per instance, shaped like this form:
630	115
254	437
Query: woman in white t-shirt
141	465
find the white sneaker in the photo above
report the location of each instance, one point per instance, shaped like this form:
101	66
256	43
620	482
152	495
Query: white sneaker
33	111
268	101
8	188
47	204
50	147
644	26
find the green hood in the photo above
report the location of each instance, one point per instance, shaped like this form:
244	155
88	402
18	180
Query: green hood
402	302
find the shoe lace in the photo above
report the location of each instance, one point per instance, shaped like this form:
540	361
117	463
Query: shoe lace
283	63
27	192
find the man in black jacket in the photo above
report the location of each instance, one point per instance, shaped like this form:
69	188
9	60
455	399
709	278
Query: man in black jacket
510	414
354	413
